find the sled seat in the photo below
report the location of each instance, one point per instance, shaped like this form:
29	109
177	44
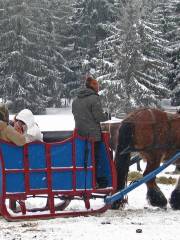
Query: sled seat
56	136
65	169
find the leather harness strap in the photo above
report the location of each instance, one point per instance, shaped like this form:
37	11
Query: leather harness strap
169	135
154	127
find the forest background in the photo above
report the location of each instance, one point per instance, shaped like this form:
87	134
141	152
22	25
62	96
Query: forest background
49	47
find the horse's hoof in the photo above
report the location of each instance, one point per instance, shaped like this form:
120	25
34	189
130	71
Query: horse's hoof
156	198
175	199
118	204
115	205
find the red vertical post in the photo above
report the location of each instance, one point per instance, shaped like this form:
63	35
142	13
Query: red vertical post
26	169
49	180
74	160
93	165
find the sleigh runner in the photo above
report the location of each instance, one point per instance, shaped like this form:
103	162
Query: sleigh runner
60	172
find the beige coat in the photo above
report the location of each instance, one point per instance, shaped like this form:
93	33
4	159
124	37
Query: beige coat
9	134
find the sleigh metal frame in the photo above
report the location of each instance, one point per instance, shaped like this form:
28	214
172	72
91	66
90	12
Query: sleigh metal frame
61	170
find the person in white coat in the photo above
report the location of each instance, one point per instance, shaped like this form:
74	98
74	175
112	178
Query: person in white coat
26	125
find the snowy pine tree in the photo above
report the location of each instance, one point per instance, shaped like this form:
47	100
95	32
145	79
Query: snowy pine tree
136	50
172	34
31	60
48	47
89	25
62	10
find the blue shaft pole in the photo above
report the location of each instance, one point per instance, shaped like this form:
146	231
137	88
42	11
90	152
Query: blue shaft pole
119	195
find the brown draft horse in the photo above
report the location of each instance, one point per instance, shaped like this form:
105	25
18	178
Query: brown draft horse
153	133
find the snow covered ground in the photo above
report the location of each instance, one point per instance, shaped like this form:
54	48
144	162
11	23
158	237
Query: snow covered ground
155	223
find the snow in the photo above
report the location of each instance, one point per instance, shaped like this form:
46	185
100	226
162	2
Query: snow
58	121
155	223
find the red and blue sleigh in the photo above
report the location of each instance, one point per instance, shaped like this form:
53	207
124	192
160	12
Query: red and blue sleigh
59	172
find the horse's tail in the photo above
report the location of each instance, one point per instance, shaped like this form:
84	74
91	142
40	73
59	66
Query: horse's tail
122	158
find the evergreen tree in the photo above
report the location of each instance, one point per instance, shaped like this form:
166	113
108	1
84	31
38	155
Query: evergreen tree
90	24
48	47
62	10
172	34
138	79
31	61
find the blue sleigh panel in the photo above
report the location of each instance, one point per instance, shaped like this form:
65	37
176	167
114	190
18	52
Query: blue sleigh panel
84	164
83	147
60	157
36	159
36	156
13	160
103	166
62	181
1	178
12	155
62	163
64	166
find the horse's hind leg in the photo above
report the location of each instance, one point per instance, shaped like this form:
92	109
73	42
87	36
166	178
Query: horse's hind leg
175	197
154	194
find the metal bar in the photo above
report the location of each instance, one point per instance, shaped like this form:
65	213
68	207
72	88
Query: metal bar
119	195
